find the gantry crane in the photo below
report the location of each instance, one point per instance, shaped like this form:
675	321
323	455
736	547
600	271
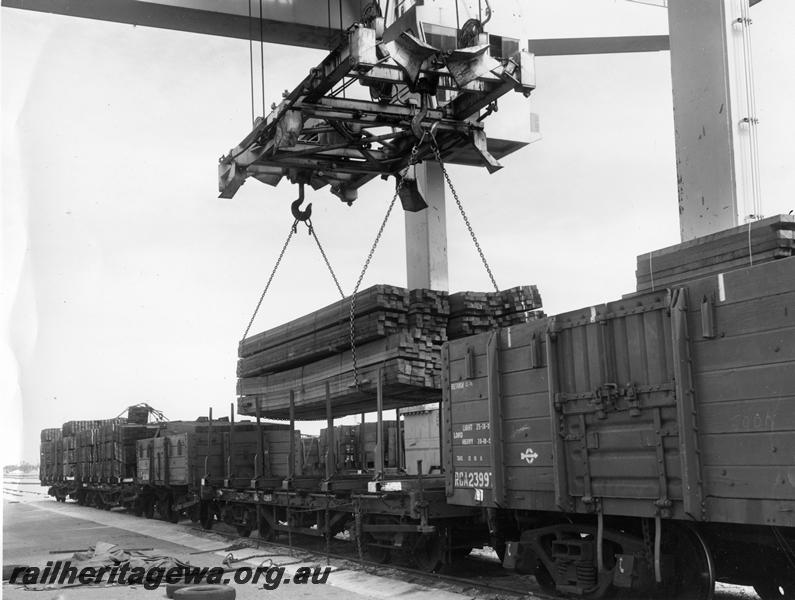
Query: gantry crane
714	113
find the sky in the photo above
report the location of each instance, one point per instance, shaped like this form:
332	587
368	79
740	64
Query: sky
125	279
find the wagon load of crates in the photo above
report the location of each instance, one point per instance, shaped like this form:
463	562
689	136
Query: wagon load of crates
395	331
51	455
185	453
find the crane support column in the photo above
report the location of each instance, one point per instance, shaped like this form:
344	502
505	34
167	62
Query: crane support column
713	114
426	233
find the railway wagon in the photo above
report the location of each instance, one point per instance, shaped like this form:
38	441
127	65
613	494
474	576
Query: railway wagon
89	460
646	440
179	472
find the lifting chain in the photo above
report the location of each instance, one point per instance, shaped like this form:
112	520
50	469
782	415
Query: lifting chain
313	233
270	278
438	156
398	187
293	231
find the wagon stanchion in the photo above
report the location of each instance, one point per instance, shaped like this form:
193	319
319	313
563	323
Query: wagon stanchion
331	465
259	468
358	529
331	459
328	533
379	446
291	471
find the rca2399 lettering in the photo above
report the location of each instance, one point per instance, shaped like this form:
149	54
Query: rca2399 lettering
473	479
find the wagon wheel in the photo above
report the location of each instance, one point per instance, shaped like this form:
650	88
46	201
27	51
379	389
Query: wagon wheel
172	514
206	515
336	527
265	530
544	580
427	552
776	589
195	513
378	547
498	545
103	502
694	567
376	554
243	530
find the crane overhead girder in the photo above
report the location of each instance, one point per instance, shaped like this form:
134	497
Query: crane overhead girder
293	23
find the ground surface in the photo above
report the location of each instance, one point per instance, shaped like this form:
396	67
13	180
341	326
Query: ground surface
36	529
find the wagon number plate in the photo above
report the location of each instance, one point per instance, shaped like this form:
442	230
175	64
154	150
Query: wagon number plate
473	479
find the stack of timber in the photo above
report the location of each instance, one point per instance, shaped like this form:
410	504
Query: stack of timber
759	242
472	313
380	312
397	331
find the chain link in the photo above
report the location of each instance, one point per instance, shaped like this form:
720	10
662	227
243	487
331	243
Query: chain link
398	187
464	215
270	278
313	233
293	231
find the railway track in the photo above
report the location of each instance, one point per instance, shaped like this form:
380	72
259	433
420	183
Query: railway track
492	582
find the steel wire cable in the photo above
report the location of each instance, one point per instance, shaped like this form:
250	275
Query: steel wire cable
262	57
251	60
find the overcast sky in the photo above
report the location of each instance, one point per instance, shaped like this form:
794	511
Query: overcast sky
126	280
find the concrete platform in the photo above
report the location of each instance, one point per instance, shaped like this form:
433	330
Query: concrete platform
34	528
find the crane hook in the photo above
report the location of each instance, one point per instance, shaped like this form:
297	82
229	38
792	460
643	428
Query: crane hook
298	214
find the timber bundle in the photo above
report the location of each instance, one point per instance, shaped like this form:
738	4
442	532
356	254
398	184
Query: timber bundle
754	243
396	330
